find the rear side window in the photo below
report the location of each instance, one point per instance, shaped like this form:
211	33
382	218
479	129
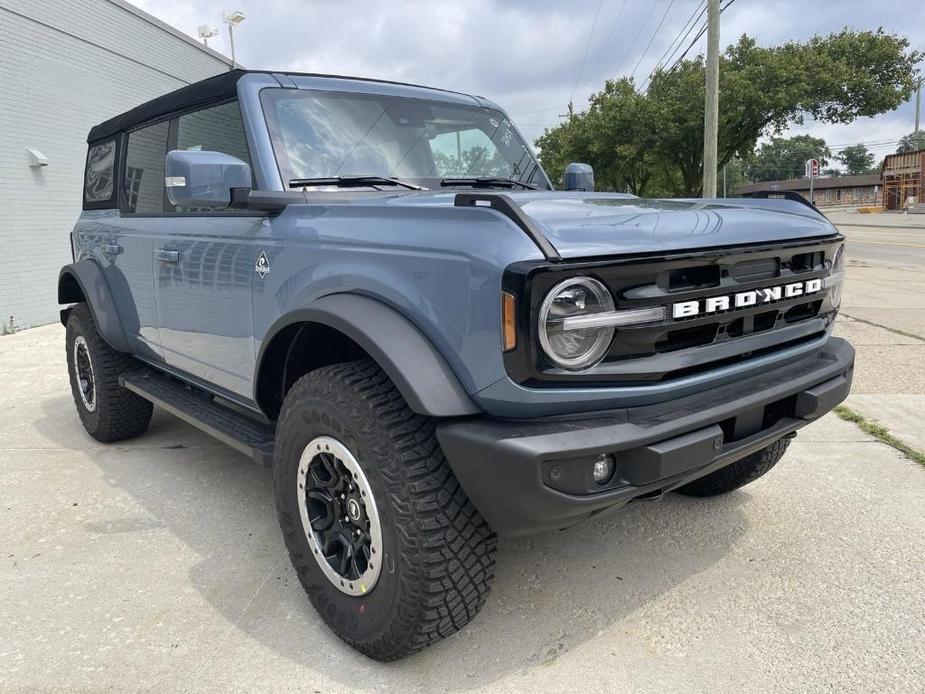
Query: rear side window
144	169
216	129
99	175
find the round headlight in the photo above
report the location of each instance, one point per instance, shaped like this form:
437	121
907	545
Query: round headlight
574	348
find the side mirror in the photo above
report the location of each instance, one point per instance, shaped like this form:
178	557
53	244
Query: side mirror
195	178
579	177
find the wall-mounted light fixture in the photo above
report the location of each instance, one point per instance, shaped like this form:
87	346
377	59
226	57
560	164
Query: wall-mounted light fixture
36	158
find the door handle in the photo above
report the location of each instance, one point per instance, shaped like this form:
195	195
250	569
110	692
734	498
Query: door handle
166	256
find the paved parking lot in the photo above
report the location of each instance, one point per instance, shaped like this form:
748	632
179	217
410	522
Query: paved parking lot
156	565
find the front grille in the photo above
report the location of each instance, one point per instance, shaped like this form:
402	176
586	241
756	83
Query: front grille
677	347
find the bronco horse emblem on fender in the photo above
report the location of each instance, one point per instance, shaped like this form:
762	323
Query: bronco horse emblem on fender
262	268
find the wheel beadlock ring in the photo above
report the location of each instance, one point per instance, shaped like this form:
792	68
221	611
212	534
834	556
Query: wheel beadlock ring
83	372
339	516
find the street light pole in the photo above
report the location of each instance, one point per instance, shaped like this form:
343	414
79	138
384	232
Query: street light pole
234	64
232	19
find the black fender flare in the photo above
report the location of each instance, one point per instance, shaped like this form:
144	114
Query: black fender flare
84	281
409	359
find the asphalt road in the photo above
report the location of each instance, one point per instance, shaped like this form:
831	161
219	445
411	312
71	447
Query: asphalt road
157	565
888	239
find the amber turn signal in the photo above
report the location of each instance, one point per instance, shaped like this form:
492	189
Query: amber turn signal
508	325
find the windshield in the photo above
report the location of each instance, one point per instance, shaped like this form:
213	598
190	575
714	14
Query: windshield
318	134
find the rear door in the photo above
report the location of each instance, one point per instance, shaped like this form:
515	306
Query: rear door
124	238
204	268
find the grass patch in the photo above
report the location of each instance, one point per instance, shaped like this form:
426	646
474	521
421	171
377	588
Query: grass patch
881	433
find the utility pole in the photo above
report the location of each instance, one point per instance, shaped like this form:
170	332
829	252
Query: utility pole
571	111
724	180
711	106
918	104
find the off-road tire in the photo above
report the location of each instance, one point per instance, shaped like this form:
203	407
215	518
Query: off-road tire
438	552
119	414
737	474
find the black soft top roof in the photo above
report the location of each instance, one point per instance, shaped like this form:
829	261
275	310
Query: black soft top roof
212	89
221	86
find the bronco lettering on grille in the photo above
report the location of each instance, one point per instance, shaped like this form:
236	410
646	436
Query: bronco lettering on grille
753	297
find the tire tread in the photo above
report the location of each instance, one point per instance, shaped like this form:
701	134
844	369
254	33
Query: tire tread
120	414
737	474
449	549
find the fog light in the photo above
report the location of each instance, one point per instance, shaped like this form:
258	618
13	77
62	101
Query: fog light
603	468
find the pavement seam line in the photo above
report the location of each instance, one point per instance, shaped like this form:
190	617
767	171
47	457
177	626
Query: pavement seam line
881	433
208	658
897	331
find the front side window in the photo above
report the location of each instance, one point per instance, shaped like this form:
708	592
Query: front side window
319	134
144	169
216	129
98	178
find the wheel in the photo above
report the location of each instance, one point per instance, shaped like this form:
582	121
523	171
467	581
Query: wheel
108	411
385	542
737	474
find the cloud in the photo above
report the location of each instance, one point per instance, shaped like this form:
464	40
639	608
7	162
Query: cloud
526	55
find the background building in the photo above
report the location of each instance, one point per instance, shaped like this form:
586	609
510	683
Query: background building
903	179
834	191
67	65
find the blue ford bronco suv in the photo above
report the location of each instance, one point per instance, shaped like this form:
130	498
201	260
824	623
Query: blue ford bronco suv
373	288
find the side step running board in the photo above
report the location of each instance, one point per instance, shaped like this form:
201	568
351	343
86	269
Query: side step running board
239	431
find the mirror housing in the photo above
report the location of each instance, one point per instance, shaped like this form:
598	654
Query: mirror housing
579	177
196	178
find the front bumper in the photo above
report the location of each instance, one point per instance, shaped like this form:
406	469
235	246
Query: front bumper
527	476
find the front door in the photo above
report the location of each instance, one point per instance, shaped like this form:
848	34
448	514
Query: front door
204	273
204	268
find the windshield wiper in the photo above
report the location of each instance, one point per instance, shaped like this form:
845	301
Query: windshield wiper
487	182
353	182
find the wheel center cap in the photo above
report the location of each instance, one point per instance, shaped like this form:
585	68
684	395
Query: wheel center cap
353	509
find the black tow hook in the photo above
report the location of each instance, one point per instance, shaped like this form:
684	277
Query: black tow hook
651	496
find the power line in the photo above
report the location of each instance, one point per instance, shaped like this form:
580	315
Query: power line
703	29
700	33
607	40
654	34
629	51
679	39
587	49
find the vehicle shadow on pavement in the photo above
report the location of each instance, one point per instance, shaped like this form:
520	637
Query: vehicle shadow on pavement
552	592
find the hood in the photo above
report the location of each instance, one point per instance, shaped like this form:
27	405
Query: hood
583	225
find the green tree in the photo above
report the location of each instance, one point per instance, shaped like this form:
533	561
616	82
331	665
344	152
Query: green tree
857	159
785	157
832	79
734	177
911	142
615	137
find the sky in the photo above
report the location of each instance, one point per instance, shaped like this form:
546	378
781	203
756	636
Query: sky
530	56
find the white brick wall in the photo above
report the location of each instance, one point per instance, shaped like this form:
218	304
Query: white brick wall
66	65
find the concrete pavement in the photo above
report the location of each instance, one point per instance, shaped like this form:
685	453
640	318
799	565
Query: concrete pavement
157	565
883	315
